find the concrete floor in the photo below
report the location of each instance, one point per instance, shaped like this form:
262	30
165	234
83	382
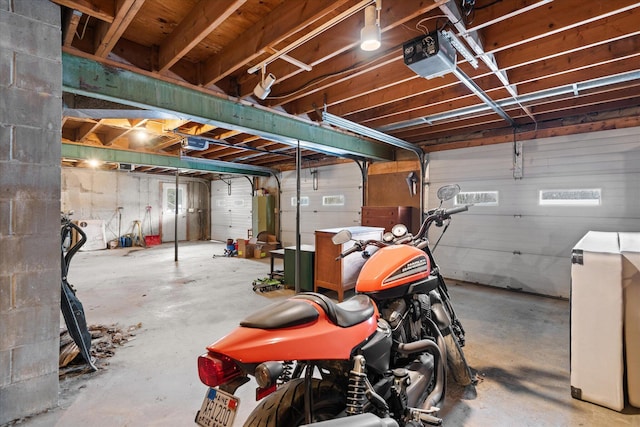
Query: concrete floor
517	343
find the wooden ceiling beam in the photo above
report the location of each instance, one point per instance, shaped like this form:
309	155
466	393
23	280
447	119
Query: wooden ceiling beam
198	24
545	113
103	10
284	21
369	81
555	17
591	99
378	104
570	77
583	38
501	11
544	130
295	93
107	34
70	23
324	50
580	62
197	128
84	130
228	134
583	65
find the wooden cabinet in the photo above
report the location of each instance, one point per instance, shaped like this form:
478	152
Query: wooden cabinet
388	216
340	275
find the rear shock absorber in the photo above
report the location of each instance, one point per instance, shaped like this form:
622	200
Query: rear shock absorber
356	393
287	371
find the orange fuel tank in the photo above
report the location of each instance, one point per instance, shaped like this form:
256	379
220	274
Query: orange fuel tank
393	271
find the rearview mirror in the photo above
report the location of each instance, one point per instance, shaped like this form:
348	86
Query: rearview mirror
448	192
341	237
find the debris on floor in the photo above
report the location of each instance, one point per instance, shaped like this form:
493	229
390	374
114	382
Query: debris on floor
104	341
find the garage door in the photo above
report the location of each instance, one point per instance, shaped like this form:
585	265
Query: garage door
522	233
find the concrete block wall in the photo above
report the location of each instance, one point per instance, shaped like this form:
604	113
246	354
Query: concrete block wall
30	122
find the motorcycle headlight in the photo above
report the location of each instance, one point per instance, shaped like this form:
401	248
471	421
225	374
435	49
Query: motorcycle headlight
267	373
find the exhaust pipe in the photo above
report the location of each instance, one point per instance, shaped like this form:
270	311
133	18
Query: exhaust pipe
437	394
363	420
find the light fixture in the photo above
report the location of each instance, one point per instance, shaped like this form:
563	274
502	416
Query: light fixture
94	163
370	33
263	88
141	135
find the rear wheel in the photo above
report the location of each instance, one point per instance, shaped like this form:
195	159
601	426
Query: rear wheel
456	360
285	407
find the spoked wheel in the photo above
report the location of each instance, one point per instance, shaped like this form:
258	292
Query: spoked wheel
285	407
456	360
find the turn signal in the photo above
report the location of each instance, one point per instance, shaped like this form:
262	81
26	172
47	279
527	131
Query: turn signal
267	373
215	369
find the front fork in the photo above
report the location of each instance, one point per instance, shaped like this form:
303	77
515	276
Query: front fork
444	315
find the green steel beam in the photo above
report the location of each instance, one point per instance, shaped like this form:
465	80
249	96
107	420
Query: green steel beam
86	152
91	78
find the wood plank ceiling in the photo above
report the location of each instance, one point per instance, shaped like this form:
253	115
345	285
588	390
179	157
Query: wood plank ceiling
552	66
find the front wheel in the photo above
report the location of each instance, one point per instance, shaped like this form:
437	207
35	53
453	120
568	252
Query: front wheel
456	360
285	407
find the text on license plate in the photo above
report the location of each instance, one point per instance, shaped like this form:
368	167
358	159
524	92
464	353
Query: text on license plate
218	409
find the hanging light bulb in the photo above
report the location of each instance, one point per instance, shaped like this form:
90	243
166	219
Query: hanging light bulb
370	33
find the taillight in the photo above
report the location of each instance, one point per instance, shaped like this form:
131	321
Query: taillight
215	369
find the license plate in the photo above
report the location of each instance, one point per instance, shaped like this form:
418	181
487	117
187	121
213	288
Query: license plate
218	409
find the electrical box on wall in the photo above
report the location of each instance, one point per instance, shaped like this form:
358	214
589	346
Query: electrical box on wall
430	55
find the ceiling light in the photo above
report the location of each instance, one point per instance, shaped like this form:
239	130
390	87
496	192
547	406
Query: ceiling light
263	88
141	135
93	163
370	33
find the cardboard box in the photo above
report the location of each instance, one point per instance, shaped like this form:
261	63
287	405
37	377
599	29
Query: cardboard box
262	251
245	249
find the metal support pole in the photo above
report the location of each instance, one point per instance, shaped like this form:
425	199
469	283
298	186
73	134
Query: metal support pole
297	261
175	222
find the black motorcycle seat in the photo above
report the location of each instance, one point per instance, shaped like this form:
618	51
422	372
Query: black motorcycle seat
345	314
284	314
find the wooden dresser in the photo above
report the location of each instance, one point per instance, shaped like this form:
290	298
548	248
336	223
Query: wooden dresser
388	216
339	275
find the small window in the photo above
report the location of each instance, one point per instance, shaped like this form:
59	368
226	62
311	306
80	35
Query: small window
304	201
477	198
588	197
333	200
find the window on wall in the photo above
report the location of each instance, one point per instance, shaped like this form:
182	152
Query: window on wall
304	201
581	197
477	198
333	200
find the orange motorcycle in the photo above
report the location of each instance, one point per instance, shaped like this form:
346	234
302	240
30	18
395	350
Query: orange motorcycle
376	359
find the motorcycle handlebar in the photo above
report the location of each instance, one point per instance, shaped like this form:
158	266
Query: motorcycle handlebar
459	209
355	248
436	215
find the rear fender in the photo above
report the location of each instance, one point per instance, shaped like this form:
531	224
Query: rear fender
319	339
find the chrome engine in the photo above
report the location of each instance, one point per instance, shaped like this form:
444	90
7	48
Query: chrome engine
414	374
